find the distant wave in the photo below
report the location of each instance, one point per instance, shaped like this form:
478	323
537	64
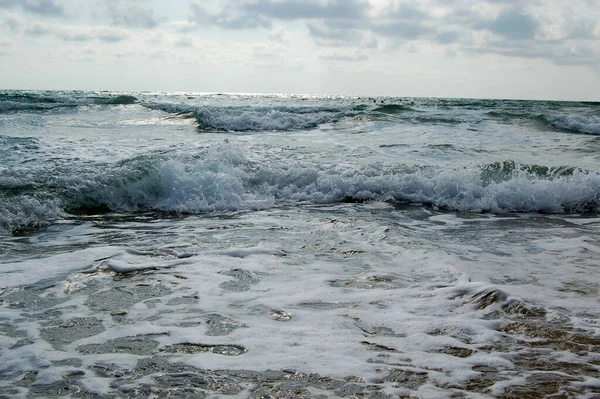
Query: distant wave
290	118
123	99
12	106
505	114
576	123
256	118
224	181
393	108
44	101
572	122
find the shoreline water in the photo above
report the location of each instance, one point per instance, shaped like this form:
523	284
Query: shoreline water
244	246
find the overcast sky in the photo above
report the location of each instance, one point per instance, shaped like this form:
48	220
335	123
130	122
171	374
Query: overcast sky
532	49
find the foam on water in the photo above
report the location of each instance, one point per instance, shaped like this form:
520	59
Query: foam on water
346	294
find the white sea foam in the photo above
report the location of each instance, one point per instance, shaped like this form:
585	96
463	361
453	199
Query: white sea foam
346	299
19	273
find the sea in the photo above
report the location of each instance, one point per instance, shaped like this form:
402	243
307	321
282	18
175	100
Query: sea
211	245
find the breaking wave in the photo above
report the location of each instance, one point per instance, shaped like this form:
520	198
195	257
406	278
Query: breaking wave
225	181
256	118
576	123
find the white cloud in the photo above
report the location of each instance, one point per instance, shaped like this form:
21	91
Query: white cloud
342	55
279	34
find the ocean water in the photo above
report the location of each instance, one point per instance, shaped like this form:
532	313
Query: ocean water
287	246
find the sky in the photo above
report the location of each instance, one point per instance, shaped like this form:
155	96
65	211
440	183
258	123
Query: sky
523	49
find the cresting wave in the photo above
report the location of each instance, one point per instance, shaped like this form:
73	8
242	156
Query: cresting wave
224	181
576	123
256	118
253	118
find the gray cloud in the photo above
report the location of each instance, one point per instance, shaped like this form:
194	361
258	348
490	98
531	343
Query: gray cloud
37	29
513	24
554	51
261	13
402	29
334	35
111	36
5	45
131	15
228	18
308	9
406	12
341	34
447	37
41	7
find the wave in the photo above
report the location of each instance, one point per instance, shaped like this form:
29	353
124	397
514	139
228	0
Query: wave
256	118
290	118
12	106
575	123
27	212
222	180
507	115
123	99
393	109
16	101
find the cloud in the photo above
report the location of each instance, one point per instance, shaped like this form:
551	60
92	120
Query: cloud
41	7
229	17
342	55
183	42
402	29
69	33
513	24
261	13
510	28
336	34
308	9
266	50
131	15
279	34
559	53
447	37
351	30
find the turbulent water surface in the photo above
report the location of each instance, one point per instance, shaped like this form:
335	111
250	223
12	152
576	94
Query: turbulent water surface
208	245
